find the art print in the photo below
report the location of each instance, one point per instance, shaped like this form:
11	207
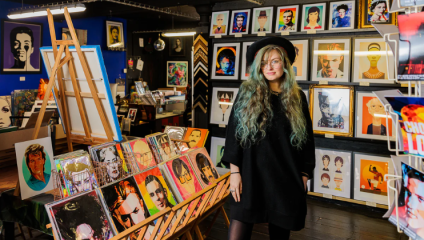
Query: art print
217	151
79	217
342	15
244	68
203	166
110	162
165	147
369	177
240	20
331	109
374	12
81	35
115	34
156	193
177	74
313	17
286	20
219	23
132	114
177	46
300	64
21	44
222	103
333	172
78	174
143	154
331	60
35	162
196	137
125	205
225	63
371	118
262	20
6	111
183	176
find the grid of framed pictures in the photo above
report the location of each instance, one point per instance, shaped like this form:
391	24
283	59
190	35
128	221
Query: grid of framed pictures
292	18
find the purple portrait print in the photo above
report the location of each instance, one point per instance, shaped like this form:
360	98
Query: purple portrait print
21	44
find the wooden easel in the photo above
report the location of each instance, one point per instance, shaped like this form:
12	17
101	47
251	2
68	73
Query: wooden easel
61	93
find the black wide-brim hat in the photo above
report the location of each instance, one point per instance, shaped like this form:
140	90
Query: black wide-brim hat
279	41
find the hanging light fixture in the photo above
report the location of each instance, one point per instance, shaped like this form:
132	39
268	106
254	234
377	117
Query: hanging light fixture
42	11
179	34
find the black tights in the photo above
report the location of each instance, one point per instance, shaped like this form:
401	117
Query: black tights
243	231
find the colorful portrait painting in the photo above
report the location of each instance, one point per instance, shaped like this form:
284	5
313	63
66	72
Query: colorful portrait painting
5	110
222	103
155	191
240	20
219	23
132	113
342	15
225	63
125	204
79	217
177	75
372	177
21	44
143	154
286	20
301	61
35	162
78	174
115	34
110	162
203	166
183	176
262	20
313	17
374	12
196	137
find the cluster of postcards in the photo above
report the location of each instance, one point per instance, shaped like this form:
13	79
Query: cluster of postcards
100	211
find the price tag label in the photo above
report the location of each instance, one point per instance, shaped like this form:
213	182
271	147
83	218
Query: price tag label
364	83
238	35
218	36
285	33
406	85
371	204
222	125
261	34
323	82
329	135
325	195
312	31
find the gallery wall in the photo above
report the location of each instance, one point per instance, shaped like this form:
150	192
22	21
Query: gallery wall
96	35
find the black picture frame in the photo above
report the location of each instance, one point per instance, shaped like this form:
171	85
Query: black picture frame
172	46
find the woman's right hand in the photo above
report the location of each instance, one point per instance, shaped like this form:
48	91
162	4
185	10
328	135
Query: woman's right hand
236	186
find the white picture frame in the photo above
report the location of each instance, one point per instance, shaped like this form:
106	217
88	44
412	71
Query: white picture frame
109	36
218	116
246	21
172	77
132	113
214	19
363	61
334	20
301	62
369	99
269	11
362	192
230	48
324	49
280	15
244	69
321	16
217	144
337	171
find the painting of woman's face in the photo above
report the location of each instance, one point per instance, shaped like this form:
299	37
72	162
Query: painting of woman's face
313	16
380	9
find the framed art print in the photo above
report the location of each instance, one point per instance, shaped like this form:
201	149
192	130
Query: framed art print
20	47
244	68
333	172
225	62
331	109
300	65
262	20
177	46
370	61
222	103
369	184
115	34
287	19
331	60
374	11
313	17
219	23
177	73
371	118
132	113
342	15
240	20
217	151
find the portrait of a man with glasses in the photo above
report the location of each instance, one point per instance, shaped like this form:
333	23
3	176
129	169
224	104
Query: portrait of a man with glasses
376	127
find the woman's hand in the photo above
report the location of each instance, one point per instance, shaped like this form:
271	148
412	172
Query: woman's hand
305	182
235	182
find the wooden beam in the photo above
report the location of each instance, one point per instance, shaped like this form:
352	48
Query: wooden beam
64	42
85	94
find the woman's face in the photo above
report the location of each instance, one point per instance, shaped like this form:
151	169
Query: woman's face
313	17
272	68
178	42
373	56
380	9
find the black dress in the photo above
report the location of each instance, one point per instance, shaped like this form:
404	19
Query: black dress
271	172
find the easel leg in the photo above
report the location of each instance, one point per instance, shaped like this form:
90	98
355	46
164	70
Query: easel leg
188	235
198	233
211	224
227	221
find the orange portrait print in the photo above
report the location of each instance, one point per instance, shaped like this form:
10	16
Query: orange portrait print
371	124
372	177
196	137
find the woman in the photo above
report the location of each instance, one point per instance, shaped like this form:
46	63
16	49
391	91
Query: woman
313	18
377	11
178	47
373	72
269	144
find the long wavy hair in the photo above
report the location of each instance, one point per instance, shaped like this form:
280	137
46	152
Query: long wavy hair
253	111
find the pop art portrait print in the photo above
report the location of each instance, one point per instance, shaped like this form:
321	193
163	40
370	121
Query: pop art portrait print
262	20
240	20
342	15
222	103
313	17
219	23
287	18
225	63
300	64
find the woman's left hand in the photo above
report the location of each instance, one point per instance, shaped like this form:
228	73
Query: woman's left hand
305	180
